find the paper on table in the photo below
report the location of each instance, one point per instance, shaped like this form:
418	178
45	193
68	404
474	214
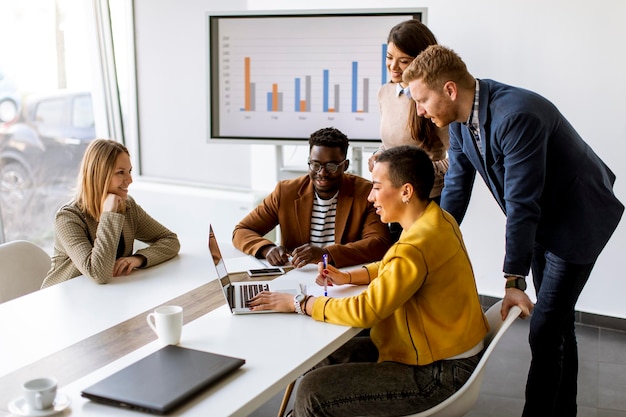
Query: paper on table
336	291
243	263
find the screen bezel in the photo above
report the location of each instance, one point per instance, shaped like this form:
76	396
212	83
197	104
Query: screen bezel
213	109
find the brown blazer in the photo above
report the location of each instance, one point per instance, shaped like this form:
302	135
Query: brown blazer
361	235
85	246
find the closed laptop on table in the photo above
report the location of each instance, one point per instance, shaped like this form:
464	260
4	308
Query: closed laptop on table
163	380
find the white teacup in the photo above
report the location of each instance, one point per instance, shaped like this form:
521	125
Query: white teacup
167	323
40	393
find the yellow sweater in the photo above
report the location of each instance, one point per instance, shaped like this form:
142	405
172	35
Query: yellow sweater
422	304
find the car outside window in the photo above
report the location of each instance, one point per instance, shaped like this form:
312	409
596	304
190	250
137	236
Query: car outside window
50	113
46	116
82	116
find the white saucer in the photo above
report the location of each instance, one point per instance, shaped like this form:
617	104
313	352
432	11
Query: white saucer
19	407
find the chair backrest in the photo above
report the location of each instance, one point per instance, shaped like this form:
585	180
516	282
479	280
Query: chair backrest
462	401
23	266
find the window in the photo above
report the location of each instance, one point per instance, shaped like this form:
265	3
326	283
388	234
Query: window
82	113
46	112
50	113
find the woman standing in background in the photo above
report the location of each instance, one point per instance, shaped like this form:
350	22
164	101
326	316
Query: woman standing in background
399	122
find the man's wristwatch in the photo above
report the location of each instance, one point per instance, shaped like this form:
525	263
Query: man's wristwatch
517	282
297	303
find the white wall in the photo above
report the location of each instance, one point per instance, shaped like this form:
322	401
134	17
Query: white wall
569	51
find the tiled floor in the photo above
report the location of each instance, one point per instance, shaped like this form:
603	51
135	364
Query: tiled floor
602	375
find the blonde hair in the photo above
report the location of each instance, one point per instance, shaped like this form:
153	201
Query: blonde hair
437	65
96	170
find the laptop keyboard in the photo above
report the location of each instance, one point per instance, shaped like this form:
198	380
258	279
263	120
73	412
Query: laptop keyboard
250	290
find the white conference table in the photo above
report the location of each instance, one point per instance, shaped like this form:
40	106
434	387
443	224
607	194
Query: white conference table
277	347
43	322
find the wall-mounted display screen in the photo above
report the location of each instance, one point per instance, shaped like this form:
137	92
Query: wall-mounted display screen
279	77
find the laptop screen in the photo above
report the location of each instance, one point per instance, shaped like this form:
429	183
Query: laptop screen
218	259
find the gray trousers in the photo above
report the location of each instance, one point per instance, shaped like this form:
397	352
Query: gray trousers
351	383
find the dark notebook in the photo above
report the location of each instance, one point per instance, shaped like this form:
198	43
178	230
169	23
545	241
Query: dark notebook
163	380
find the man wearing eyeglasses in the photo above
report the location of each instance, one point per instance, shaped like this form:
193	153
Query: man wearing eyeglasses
324	212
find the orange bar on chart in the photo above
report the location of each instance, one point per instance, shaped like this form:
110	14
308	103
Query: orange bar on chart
274	97
246	82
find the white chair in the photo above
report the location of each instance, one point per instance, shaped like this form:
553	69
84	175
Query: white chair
23	266
462	401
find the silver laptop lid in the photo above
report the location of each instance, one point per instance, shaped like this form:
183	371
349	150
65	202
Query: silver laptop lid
228	288
218	259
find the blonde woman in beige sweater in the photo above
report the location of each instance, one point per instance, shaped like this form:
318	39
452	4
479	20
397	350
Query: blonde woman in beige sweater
95	233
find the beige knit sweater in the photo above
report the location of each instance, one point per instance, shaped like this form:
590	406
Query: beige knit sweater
85	246
394	114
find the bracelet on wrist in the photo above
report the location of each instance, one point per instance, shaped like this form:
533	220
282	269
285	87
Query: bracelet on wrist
306	300
349	276
369	278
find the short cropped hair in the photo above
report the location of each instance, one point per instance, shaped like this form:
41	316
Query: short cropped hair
437	65
96	170
331	138
410	164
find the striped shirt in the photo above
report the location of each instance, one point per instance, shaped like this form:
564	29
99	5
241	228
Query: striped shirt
323	221
472	122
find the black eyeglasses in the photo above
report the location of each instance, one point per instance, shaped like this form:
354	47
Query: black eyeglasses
330	167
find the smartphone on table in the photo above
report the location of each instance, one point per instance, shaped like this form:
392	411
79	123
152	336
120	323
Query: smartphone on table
262	272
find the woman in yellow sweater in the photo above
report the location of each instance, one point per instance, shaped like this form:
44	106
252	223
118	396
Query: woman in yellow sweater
421	305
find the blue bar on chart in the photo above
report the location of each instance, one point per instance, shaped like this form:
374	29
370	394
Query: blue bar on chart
355	73
326	94
325	77
296	101
302	105
383	70
355	83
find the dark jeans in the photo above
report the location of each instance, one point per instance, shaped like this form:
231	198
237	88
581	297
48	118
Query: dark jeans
552	380
351	383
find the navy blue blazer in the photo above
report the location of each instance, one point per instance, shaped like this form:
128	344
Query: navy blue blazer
552	187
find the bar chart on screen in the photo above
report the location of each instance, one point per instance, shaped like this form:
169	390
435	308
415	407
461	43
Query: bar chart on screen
304	72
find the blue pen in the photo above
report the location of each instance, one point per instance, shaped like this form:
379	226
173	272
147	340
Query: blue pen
325	260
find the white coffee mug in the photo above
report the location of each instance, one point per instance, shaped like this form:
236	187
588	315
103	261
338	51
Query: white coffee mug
167	323
40	393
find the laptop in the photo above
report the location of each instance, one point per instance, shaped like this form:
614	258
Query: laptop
237	293
163	380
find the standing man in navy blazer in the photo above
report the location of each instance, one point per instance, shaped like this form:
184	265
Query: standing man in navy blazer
556	193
